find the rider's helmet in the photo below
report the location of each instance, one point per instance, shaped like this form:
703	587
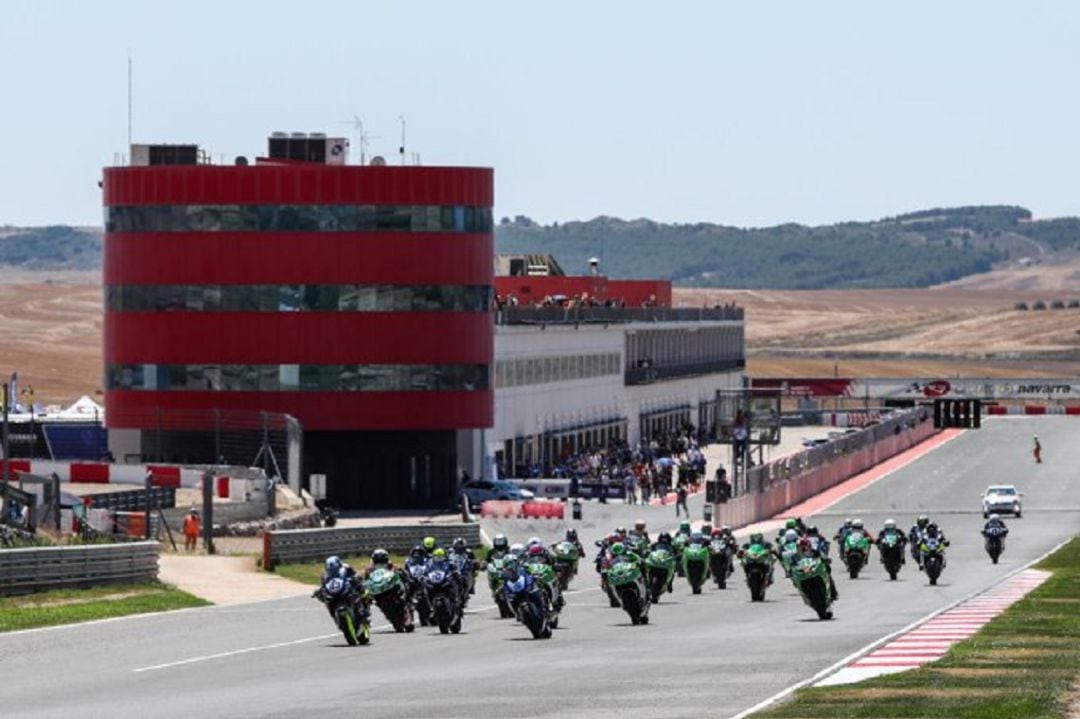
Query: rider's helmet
706	529
757	538
994	518
621	531
536	550
517	549
429	543
618	549
571	535
500	542
380	557
812	531
695	537
684	527
664	538
533	541
806	545
333	564
726	529
931	530
890	524
613	538
790	536
639	526
791	523
922	521
510	566
459	545
856	524
717	533
417	553
847	522
439	553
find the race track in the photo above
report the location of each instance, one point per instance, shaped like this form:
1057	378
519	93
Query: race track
714	653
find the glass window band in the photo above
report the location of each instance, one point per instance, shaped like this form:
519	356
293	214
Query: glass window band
276	378
297	218
298	298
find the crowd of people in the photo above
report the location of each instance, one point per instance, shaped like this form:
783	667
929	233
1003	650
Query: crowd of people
567	301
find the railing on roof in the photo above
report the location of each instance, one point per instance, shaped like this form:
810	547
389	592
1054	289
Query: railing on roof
596	315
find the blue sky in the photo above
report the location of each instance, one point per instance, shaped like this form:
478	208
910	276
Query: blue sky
738	113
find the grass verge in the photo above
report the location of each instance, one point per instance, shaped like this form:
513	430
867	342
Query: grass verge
80	605
1019	666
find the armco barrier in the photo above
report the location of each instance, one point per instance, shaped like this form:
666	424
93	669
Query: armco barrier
767	499
38	569
305	545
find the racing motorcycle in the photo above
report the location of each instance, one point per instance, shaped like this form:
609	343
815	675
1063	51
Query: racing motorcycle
932	550
442	589
605	583
347	606
497	583
679	542
856	552
811	578
466	577
660	568
892	553
527	600
392	597
720	561
788	554
757	562
628	583
995	542
566	563
549	581
696	565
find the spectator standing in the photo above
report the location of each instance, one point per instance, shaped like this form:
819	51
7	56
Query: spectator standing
631	488
1036	451
680	499
192	525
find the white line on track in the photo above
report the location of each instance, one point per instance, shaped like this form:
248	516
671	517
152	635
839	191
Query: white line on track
233	653
850	658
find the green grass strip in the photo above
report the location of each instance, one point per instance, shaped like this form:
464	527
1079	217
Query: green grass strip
80	605
1019	666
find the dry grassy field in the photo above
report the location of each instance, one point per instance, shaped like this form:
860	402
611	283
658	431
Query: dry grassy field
50	325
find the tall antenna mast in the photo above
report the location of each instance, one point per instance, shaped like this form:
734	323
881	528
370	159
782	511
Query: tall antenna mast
129	100
401	150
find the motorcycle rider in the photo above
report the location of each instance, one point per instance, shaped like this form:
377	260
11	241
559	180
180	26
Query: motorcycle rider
663	541
809	548
464	557
335	567
517	550
706	529
430	545
500	546
932	531
380	559
789	524
684	528
640	531
890	528
822	543
539	554
571	536
841	535
757	538
995	522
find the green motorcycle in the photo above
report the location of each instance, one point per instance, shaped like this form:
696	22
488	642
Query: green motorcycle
497	585
628	583
892	553
696	565
856	552
788	555
660	568
757	564
549	582
811	578
566	563
390	594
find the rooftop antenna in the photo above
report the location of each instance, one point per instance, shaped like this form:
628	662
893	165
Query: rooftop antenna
129	100
358	126
401	150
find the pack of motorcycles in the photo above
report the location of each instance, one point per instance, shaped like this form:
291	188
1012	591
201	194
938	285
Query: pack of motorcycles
530	587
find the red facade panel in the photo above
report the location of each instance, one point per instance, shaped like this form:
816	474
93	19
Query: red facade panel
292	184
316	410
298	337
298	258
635	293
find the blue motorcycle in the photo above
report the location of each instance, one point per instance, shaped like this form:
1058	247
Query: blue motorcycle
442	588
528	601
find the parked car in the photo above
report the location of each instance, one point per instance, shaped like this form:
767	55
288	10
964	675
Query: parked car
1001	499
481	490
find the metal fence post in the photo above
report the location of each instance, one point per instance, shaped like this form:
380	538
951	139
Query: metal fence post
208	511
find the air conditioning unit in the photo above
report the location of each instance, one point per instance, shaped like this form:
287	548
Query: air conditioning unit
316	147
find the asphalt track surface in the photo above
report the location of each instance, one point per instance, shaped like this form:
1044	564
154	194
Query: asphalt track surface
714	653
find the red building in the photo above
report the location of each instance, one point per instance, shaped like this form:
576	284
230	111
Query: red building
354	298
